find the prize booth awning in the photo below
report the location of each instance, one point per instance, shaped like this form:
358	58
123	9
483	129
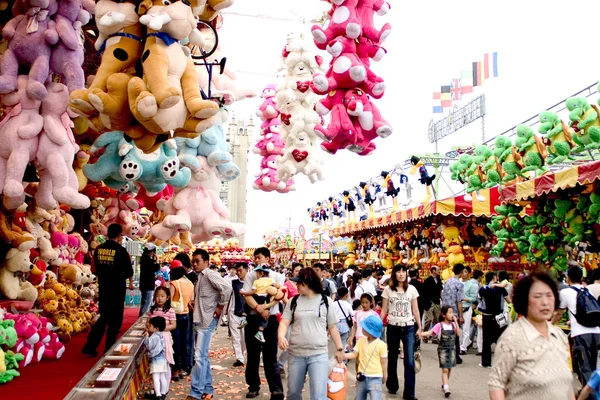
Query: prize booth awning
450	206
569	177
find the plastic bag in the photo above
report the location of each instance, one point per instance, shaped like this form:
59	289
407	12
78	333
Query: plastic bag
337	384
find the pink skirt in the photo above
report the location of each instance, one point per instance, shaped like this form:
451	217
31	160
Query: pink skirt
168	347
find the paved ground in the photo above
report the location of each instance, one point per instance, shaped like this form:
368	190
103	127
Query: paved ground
468	381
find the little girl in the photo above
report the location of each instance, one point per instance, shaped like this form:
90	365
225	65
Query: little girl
162	308
446	331
366	309
156	351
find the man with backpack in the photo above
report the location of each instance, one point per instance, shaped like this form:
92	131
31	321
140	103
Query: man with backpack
329	288
584	316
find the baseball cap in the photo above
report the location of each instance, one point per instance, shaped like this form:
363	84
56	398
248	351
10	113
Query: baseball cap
263	268
175	264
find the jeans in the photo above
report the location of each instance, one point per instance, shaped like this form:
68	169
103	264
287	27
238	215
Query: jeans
317	367
491	333
111	319
585	355
181	340
406	334
269	354
371	386
201	376
146	301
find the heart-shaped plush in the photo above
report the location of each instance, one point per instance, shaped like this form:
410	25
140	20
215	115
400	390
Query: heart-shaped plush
302	86
299	155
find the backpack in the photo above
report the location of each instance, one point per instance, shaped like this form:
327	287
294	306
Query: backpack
294	304
326	287
588	309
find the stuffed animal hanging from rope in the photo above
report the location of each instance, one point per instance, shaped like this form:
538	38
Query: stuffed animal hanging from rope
390	189
368	198
425	179
349	206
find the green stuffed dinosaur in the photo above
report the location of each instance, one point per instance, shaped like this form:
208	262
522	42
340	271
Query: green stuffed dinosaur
593	211
538	250
476	176
465	162
574	227
509	158
533	151
585	123
7	362
558	137
559	259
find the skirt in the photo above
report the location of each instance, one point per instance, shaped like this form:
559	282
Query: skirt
168	338
158	364
447	356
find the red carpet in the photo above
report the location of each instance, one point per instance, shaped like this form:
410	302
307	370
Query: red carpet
53	380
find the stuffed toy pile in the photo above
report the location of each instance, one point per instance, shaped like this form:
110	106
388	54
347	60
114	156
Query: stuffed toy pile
295	101
353	41
270	145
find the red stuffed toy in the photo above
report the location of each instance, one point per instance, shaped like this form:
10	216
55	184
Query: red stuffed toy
340	132
367	120
365	12
344	21
152	203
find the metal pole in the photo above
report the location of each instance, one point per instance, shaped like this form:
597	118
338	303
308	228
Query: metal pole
483	129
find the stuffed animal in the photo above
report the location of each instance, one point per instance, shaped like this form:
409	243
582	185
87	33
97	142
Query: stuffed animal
39	279
19	129
343	22
585	121
15	264
299	157
54	349
163	107
268	109
367	121
197	208
120	42
108	166
558	137
267	177
271	142
54	158
30	38
152	203
365	11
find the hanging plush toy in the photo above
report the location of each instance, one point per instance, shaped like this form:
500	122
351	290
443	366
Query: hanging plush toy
391	190
424	178
268	109
368	198
558	137
349	206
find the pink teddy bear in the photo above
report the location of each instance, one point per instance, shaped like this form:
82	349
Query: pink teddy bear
19	130
340	131
365	11
367	120
56	151
270	144
267	177
347	71
268	110
343	22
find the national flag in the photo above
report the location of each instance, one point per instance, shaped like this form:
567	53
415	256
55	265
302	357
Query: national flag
481	72
466	82
494	64
477	74
455	90
446	96
437	103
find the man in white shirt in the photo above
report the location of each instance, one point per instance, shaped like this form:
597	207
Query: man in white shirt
365	286
585	340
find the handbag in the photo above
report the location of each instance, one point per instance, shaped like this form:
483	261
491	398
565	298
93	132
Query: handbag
178	306
359	375
501	320
348	319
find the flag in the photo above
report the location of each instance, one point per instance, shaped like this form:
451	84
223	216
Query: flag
446	96
455	90
477	74
466	82
486	69
437	103
494	64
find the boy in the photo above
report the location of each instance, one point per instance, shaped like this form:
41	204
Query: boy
262	288
372	359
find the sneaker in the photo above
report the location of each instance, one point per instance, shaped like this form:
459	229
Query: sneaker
243	323
238	363
251	395
484	366
277	396
458	360
91	353
462	352
447	393
260	336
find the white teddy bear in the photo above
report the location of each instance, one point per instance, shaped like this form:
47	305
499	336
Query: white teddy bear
299	157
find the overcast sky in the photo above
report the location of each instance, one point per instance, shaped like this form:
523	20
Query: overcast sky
547	51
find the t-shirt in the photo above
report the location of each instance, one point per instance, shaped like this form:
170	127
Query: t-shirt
594	290
148	270
492	300
308	332
261	285
400	305
594	382
364	287
292	290
168	316
113	267
187	292
251	277
358	316
343	307
443	326
364	349
568	299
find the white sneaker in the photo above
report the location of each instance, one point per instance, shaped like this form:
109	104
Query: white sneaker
483	366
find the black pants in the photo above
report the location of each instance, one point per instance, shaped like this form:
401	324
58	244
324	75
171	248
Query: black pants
585	355
111	317
181	341
269	351
491	333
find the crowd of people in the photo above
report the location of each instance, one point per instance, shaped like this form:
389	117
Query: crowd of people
290	317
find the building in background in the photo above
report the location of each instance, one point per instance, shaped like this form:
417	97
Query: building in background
233	194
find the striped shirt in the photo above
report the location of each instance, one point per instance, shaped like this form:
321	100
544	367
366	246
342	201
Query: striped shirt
212	290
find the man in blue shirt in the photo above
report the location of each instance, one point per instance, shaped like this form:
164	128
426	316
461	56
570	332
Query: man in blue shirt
453	296
471	287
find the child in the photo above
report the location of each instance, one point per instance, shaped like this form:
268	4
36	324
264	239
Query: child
162	308
446	331
262	288
366	309
371	353
344	313
156	351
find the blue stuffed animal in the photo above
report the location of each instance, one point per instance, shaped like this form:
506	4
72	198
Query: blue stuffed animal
107	167
155	170
212	145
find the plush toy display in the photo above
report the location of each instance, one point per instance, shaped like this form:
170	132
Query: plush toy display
15	263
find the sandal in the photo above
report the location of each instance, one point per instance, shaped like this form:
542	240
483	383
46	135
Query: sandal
207	396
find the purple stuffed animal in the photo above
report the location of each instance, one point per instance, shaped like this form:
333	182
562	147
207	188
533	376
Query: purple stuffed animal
30	39
67	57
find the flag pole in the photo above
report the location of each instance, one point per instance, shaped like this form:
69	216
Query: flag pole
482	129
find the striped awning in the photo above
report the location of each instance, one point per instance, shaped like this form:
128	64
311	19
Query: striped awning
552	182
450	206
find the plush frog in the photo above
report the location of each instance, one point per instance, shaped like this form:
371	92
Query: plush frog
558	137
532	149
585	123
492	169
476	176
594	208
538	251
559	259
573	224
510	159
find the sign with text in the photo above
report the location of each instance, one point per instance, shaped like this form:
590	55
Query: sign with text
458	118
